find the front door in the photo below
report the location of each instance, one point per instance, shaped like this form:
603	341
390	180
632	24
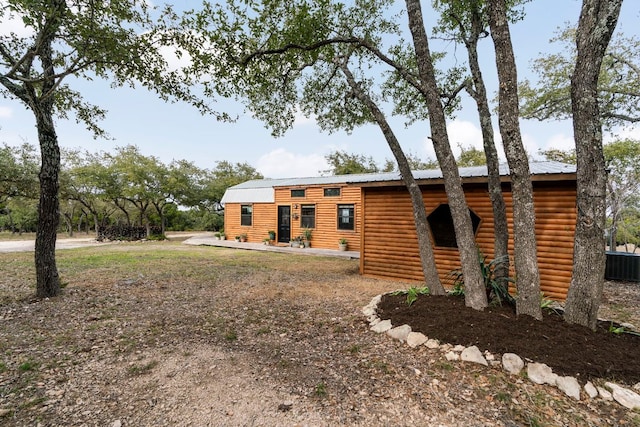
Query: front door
284	224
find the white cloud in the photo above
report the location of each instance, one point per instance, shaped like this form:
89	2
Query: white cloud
628	132
5	112
12	23
559	141
301	120
175	63
465	134
281	163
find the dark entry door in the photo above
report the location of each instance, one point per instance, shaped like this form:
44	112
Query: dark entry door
284	224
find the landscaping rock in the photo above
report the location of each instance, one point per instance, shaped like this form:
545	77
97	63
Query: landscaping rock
627	398
415	339
400	333
591	390
540	373
459	348
375	300
512	363
431	343
382	326
473	354
452	356
368	310
569	386
605	394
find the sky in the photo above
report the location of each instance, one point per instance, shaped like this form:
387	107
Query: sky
178	131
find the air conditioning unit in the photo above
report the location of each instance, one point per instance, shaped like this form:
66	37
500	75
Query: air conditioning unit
622	266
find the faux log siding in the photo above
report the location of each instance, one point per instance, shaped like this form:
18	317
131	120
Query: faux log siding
263	220
390	247
325	235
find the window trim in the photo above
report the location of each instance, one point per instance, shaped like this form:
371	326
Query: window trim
244	216
339	217
302	216
324	192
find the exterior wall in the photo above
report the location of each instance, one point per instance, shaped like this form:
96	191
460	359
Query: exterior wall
390	247
325	235
263	220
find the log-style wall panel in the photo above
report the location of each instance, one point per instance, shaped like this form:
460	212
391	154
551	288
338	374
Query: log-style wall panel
390	247
325	235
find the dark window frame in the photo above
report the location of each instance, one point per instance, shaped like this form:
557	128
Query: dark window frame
350	224
298	192
307	217
332	189
246	215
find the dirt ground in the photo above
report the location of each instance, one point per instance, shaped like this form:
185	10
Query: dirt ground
220	337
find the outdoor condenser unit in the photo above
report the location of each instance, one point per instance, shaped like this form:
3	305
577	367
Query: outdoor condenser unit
622	266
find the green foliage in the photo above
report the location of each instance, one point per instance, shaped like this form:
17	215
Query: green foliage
412	293
320	390
497	290
343	163
136	370
557	155
618	83
471	156
617	329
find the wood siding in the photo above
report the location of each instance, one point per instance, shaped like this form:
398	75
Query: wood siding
325	235
390	247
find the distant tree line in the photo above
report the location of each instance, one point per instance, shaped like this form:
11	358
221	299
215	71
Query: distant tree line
125	193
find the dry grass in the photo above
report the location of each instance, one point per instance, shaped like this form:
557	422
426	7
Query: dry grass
160	333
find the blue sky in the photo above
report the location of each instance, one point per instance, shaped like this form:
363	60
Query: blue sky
178	131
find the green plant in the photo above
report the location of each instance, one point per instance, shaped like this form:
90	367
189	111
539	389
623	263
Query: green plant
320	390
27	366
619	329
142	369
497	290
231	335
217	234
307	234
412	293
342	241
457	290
272	235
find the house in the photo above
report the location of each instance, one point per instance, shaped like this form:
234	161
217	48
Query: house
374	213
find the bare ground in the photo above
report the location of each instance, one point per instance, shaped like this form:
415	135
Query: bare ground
209	336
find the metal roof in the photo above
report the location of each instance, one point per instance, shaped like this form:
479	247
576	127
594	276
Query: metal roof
262	190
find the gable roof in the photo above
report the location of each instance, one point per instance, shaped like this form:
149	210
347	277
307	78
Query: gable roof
262	190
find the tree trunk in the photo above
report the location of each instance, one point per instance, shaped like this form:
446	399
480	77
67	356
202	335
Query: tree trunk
475	294
427	259
47	280
525	251
479	94
598	20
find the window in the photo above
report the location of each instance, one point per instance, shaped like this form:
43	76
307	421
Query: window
308	216
441	224
331	192
346	219
246	212
297	193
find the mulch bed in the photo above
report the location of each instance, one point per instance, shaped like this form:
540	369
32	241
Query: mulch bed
567	349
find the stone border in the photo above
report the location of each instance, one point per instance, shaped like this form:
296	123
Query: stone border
538	373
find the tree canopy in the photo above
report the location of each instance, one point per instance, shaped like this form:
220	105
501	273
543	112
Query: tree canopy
618	82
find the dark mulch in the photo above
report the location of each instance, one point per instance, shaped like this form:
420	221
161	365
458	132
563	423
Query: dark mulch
567	349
